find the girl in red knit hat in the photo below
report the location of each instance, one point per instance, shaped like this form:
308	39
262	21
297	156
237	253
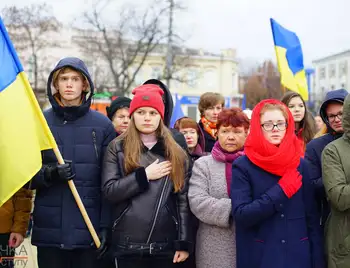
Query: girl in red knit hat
145	178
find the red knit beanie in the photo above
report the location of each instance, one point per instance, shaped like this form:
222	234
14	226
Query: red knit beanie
147	96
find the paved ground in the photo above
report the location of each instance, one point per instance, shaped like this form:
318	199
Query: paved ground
26	255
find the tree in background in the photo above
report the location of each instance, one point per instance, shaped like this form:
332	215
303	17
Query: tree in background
262	83
123	46
120	48
30	28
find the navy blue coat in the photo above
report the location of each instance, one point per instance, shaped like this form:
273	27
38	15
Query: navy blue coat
82	136
314	150
273	231
313	156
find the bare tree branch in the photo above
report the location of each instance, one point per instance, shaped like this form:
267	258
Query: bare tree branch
125	46
30	28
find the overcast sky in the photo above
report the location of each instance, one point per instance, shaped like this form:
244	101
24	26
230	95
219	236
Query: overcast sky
322	25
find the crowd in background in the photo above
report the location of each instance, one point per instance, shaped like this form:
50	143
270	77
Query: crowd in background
268	188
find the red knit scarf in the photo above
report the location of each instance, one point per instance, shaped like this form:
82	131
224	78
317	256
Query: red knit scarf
273	159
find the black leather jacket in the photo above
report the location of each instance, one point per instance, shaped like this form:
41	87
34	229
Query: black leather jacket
148	216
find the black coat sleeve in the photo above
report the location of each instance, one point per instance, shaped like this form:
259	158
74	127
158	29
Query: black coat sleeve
106	209
39	181
185	239
315	170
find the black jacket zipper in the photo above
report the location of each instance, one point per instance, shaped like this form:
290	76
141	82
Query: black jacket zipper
173	217
120	218
157	211
94	140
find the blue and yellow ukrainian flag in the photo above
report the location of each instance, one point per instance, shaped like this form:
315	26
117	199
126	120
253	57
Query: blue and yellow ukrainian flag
23	129
289	59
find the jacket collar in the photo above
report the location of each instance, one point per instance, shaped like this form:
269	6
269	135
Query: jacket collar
158	148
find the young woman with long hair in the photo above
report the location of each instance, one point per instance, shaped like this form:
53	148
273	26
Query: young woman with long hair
145	179
304	123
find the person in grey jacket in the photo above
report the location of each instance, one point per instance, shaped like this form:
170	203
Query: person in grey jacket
209	192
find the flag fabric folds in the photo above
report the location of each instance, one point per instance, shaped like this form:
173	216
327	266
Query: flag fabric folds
177	112
23	129
289	59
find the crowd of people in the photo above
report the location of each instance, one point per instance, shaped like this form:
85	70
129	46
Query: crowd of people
263	189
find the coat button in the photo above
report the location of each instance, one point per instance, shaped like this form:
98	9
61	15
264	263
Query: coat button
281	205
283	241
282	215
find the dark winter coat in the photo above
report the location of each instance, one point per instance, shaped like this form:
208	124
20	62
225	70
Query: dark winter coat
82	136
273	231
314	151
149	216
209	140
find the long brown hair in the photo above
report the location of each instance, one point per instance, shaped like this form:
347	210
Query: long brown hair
307	124
133	145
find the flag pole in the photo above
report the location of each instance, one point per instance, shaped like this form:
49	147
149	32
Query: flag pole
79	202
61	162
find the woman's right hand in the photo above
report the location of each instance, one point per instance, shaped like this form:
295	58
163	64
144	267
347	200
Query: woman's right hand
156	170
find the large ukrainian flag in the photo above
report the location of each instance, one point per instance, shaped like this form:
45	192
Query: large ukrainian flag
289	59
23	129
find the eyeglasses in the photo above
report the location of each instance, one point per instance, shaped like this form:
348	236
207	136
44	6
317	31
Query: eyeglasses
270	126
331	118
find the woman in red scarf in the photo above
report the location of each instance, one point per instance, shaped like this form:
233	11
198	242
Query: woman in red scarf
272	201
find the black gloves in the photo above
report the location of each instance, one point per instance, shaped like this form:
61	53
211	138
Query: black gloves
59	173
101	251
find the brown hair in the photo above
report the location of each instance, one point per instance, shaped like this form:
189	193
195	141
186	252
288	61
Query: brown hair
210	99
307	123
173	152
65	70
233	117
275	106
186	122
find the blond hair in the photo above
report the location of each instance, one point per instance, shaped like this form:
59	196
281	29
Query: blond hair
275	106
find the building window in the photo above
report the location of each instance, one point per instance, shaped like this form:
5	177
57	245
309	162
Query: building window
192	76
331	69
322	72
210	79
139	78
343	68
342	85
156	72
332	87
176	81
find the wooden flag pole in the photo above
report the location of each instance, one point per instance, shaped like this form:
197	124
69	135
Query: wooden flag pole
79	202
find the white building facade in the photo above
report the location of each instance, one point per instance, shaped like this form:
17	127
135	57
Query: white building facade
331	72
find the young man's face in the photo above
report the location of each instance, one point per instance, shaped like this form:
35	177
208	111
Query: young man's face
334	113
70	85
